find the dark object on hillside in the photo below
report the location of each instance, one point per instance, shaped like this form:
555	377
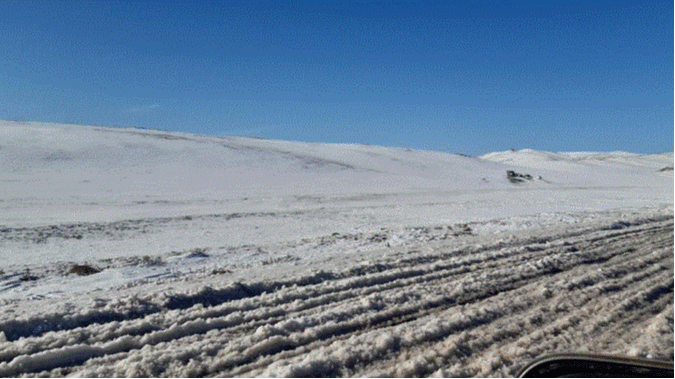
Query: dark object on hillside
28	277
83	270
515	177
667	168
198	252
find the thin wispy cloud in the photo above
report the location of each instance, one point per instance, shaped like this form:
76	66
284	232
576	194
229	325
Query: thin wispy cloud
143	108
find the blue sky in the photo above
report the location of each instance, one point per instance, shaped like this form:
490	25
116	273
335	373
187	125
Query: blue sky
468	76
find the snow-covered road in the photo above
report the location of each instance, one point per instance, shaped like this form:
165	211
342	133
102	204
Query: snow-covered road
468	305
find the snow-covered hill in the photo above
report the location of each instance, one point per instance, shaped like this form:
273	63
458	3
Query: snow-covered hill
188	237
72	172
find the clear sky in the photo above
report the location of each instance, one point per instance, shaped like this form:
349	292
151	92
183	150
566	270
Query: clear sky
459	76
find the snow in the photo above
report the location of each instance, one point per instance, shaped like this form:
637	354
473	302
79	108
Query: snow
235	256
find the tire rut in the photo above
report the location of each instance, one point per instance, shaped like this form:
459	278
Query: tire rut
336	308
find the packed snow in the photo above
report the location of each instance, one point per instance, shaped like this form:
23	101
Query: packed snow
132	252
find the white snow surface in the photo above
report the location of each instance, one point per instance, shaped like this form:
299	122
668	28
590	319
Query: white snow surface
233	256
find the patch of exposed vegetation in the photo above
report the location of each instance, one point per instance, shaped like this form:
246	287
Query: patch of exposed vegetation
198	252
282	259
28	277
145	260
220	271
83	270
378	237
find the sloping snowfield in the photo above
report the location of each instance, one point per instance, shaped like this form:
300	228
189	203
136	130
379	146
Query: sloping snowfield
128	252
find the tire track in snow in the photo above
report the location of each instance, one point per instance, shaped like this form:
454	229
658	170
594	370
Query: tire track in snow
535	322
417	372
383	319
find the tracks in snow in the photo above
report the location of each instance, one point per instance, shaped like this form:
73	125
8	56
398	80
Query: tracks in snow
484	310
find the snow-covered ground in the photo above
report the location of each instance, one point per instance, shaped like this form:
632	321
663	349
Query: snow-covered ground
237	256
